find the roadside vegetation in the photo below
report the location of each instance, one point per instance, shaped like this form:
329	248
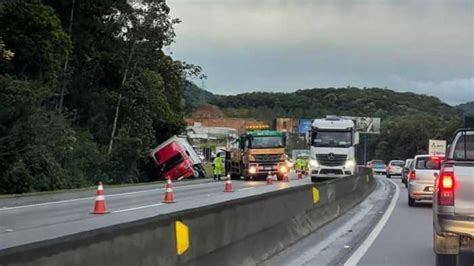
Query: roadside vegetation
86	90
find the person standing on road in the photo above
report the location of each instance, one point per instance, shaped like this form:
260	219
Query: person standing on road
218	164
299	164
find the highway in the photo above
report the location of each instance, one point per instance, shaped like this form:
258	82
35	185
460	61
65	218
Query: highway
36	212
405	238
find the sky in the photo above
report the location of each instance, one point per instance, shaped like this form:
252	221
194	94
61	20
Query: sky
422	46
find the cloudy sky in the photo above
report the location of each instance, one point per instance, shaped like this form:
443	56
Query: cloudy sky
423	46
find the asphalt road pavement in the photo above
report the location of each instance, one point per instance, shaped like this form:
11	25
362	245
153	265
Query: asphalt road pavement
404	239
44	211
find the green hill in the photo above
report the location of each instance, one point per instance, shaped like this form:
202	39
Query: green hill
467	108
195	96
409	120
311	103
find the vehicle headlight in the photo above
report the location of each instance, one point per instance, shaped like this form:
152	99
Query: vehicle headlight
283	169
350	164
252	170
313	163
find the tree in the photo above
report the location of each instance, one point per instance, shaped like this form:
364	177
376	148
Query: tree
34	34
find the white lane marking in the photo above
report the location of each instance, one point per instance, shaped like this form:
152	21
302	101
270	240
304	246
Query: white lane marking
246	188
89	198
138	208
362	249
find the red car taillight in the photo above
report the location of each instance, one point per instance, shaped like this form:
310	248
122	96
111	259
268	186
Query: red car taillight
412	175
446	188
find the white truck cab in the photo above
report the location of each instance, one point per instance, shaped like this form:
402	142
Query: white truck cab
332	144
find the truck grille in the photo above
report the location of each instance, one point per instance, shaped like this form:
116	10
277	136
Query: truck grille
331	159
267	158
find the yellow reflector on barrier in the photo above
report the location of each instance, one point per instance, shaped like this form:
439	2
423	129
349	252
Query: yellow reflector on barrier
315	195
182	238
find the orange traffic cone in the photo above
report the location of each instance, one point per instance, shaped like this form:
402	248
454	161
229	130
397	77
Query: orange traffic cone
269	179
169	198
228	185
300	175
99	206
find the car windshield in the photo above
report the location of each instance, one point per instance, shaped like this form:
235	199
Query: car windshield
397	163
428	163
378	164
332	139
266	142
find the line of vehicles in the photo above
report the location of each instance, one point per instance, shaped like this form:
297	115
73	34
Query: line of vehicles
260	151
447	180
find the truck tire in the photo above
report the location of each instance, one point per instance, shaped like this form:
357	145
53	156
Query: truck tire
447	260
279	177
411	202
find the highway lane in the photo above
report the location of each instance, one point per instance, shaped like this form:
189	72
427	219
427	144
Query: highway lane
68	209
334	242
406	238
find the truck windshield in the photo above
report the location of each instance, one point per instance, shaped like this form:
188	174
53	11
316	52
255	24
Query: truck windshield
266	142
171	162
333	139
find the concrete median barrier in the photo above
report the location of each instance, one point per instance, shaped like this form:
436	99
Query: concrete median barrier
240	231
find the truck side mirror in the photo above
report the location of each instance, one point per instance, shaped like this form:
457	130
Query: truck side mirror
242	142
308	137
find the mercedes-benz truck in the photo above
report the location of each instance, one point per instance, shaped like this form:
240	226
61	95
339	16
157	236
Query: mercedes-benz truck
332	144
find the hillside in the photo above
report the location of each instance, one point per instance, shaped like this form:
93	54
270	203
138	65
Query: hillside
467	108
310	103
195	96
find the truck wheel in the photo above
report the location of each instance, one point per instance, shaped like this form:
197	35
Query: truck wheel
411	202
447	260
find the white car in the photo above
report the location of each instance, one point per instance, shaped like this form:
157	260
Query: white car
395	167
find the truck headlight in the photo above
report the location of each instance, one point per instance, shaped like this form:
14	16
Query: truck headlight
313	163
283	169
350	164
252	170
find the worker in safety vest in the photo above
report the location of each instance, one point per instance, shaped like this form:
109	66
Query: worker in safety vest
304	165
299	164
218	165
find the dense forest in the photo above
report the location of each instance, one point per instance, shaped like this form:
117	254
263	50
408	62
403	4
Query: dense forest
86	90
409	120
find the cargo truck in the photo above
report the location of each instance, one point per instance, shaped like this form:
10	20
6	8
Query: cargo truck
257	153
177	159
332	143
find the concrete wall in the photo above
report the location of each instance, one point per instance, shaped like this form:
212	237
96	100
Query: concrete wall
242	231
